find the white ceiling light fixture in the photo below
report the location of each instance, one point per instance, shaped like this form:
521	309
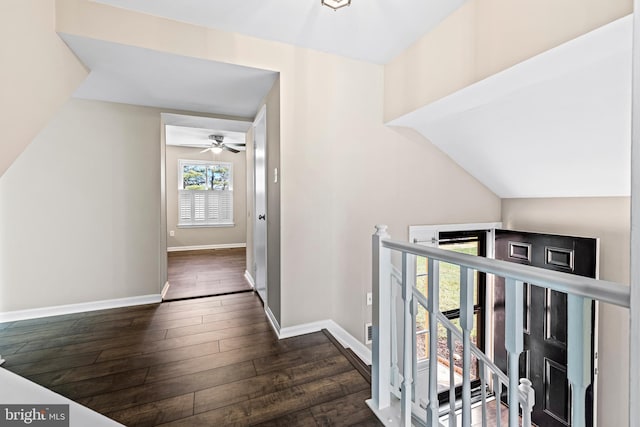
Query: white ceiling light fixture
335	4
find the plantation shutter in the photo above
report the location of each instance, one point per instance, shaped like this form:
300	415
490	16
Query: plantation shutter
205	207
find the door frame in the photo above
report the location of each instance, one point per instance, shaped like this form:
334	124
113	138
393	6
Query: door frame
428	235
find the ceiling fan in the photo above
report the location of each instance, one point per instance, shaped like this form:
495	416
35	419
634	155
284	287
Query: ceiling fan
217	145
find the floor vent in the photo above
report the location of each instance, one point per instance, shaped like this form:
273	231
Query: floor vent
368	333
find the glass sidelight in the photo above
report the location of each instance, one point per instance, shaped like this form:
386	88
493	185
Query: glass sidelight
468	242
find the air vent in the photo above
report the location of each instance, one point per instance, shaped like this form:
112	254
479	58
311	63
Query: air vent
368	333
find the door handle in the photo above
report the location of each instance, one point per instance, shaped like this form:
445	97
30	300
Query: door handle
263	216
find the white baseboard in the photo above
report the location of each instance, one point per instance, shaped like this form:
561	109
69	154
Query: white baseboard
165	289
274	322
345	338
12	316
203	247
249	278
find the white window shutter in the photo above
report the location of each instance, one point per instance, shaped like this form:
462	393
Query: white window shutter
205	207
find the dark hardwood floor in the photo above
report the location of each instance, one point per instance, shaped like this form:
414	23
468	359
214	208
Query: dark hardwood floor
207	272
200	362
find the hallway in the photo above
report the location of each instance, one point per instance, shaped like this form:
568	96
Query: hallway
210	361
201	273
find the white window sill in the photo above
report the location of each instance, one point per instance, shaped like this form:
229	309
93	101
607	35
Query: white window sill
206	225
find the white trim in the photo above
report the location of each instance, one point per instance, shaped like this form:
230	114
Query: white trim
205	247
249	278
344	338
165	289
34	313
274	322
425	233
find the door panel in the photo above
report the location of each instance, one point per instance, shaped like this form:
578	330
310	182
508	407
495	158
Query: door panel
260	206
545	318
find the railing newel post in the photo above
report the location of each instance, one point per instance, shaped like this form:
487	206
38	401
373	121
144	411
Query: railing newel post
380	354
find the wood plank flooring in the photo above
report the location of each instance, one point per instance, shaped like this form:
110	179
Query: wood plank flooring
200	362
207	272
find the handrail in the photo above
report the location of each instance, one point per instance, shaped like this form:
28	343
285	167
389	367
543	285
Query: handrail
602	290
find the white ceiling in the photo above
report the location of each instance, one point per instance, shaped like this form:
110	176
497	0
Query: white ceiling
557	125
369	30
132	75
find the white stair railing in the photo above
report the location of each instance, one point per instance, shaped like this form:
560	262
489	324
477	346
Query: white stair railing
393	393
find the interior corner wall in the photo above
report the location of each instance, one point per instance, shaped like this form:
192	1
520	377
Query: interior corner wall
199	236
32	56
79	209
482	38
609	220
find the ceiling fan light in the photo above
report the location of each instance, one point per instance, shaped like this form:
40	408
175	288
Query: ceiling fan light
216	150
335	4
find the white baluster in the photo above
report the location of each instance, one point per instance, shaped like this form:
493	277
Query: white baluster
452	380
408	356
497	391
483	392
466	322
528	400
433	307
578	355
381	363
395	370
414	360
513	342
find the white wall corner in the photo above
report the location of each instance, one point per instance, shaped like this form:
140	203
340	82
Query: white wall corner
13	316
249	278
344	338
205	247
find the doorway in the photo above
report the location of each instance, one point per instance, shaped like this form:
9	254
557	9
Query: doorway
205	189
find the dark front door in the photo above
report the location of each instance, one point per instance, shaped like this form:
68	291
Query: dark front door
544	360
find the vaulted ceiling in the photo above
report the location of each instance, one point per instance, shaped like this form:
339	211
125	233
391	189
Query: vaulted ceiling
556	125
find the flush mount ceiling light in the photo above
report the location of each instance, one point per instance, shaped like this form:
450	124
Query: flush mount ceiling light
335	4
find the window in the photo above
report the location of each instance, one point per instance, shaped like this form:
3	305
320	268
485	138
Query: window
205	193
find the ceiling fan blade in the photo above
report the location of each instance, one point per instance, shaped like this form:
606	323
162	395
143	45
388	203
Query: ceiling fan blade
237	144
206	149
233	150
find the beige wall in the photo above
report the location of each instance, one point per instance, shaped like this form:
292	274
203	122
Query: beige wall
272	104
609	220
484	37
342	171
206	235
37	75
79	209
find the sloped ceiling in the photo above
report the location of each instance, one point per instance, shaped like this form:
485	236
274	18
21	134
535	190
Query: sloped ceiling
556	125
369	30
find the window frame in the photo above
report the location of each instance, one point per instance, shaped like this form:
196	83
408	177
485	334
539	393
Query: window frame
205	223
430	235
